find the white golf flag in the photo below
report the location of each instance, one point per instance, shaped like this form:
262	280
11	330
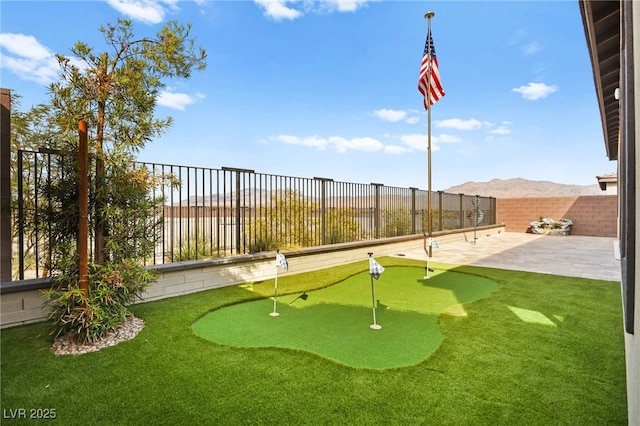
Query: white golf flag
375	269
433	243
281	261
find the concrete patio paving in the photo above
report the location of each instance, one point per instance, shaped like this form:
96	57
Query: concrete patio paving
572	255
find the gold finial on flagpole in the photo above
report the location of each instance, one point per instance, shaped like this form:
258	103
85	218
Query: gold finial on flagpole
429	15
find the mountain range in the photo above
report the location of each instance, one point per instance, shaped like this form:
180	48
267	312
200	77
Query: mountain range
524	188
497	188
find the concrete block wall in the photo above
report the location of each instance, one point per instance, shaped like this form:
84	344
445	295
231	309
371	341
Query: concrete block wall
22	302
22	307
595	216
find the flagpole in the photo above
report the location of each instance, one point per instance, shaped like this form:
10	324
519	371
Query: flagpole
428	17
426	271
275	290
375	325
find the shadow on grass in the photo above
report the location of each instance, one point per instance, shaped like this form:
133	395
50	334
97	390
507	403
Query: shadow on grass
491	368
333	322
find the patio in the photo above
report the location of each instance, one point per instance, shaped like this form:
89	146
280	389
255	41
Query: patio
573	255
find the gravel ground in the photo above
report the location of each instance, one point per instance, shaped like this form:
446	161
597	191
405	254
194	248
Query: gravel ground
67	345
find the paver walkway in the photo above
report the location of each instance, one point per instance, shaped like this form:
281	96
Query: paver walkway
572	255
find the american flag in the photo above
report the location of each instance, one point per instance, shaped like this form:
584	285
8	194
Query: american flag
429	70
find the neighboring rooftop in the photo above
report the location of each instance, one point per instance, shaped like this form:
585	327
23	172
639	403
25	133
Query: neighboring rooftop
608	182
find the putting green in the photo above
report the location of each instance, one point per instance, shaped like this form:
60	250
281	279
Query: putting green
334	322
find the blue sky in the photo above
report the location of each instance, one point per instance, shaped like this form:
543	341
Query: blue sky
329	88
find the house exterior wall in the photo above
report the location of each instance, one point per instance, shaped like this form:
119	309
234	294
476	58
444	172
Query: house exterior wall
595	216
632	72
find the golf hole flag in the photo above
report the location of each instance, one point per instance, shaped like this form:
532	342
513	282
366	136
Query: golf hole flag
429	83
433	243
281	261
375	269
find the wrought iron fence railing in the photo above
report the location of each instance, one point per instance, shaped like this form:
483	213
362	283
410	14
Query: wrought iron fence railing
229	211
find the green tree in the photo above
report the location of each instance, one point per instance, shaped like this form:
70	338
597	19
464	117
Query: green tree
115	92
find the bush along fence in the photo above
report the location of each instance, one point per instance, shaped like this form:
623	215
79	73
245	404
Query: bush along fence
207	212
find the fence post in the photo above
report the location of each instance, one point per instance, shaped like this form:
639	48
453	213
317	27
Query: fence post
377	212
494	210
440	210
476	210
461	225
238	188
5	186
323	207
413	209
21	218
83	207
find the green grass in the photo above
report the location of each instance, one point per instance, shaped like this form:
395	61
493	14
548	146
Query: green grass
539	350
334	321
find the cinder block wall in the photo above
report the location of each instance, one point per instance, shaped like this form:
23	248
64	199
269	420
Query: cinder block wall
595	216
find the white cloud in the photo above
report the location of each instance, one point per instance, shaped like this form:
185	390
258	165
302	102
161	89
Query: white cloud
535	91
412	120
357	144
459	124
445	138
390	115
282	9
419	141
517	36
500	130
147	11
28	59
343	5
23	45
177	101
526	48
340	144
396	149
408	143
530	48
278	9
312	141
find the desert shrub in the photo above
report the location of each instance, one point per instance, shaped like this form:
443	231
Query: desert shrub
396	222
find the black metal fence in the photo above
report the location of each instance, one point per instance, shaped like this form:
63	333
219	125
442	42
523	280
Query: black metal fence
229	211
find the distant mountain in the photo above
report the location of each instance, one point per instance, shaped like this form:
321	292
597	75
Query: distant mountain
498	188
523	188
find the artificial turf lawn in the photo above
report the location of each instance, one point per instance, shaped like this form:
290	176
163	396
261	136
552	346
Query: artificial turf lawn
492	367
334	321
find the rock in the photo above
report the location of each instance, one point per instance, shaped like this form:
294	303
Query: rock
68	345
548	226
